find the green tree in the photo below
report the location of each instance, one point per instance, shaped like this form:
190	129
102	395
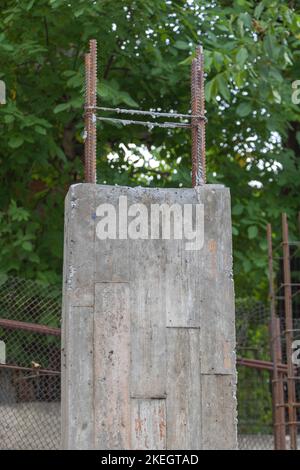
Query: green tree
145	51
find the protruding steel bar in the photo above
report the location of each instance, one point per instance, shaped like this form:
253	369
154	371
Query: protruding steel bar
93	52
198	125
194	109
197	117
87	119
202	143
278	414
289	332
90	113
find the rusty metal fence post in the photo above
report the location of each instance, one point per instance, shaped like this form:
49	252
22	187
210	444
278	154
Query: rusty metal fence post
277	386
286	385
280	409
289	333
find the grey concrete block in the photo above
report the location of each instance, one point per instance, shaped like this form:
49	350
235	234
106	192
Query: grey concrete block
77	380
160	322
219	419
112	366
148	424
183	389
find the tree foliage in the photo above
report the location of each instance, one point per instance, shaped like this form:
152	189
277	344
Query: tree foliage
145	51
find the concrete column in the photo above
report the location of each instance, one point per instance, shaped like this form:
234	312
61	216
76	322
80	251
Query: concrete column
148	325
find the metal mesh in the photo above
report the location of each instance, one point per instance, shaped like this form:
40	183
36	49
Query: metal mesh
286	299
30	377
29	365
254	390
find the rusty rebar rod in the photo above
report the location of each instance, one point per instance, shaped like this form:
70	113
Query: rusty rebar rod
202	143
87	118
197	117
277	397
289	333
194	108
90	113
198	126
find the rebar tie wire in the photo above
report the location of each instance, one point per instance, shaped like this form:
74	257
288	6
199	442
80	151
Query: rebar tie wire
153	114
149	124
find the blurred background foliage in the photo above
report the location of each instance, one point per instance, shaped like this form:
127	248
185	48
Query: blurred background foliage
145	51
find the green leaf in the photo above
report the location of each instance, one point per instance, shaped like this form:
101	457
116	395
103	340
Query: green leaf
244	109
30	5
9	118
40	130
237	209
252	232
15	142
218	60
181	45
207	60
61	107
27	246
246	265
258	10
223	86
222	27
3	278
16	213
277	96
246	18
271	46
239	79
242	56
287	59
211	89
126	98
34	258
187	61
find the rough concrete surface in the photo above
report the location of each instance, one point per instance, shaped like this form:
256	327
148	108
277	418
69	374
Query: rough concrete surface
148	356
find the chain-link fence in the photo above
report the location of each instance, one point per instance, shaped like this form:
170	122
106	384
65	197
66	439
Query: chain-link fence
29	365
254	391
30	369
255	376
